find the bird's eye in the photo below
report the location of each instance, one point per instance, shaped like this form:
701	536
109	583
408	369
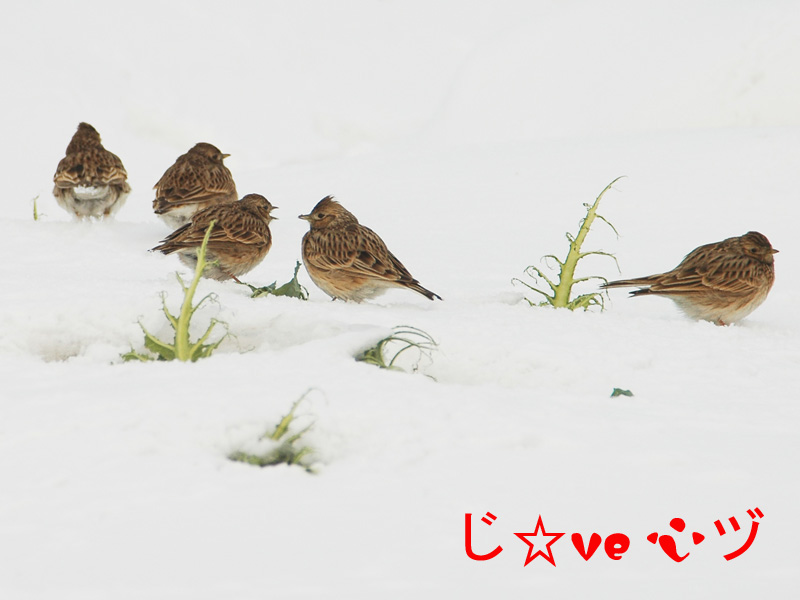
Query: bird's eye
320	216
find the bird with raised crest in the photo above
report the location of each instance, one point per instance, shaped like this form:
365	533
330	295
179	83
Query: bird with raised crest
349	261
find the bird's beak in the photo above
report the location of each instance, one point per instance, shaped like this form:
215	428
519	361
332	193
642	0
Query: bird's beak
774	251
305	217
225	155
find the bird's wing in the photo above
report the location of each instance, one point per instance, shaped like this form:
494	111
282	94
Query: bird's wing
186	182
90	167
710	268
232	226
360	252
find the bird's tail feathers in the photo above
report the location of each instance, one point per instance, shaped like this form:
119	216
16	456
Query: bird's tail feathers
414	285
636	282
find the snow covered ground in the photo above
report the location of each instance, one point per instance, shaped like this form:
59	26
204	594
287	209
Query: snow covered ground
467	135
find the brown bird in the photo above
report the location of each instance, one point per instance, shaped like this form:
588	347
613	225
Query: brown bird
721	282
349	261
197	180
239	240
90	181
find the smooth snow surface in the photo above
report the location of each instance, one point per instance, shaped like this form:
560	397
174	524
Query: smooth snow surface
468	135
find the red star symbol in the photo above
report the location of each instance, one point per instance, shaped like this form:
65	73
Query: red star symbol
547	552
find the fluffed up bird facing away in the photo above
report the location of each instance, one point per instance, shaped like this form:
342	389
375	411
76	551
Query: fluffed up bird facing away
349	261
721	282
196	180
90	181
239	240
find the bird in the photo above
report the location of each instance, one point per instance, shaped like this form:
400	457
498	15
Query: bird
721	282
90	181
348	261
239	241
196	180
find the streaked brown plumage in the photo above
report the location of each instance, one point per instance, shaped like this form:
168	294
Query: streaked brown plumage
239	240
349	261
721	282
90	181
196	180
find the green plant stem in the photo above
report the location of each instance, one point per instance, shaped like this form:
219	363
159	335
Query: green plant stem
566	278
183	348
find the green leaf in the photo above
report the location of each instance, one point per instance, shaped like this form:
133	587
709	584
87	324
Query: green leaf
267	290
285	451
291	288
620	392
406	337
586	301
163	350
133	355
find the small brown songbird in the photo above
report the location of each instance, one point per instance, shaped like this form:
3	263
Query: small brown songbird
239	240
349	261
90	181
721	282
196	180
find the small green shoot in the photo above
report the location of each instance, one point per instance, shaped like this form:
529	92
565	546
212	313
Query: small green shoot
562	290
620	392
36	213
403	338
283	447
291	288
181	347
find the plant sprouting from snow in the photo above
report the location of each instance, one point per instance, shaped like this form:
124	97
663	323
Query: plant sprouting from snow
385	353
561	290
182	347
291	288
282	444
36	213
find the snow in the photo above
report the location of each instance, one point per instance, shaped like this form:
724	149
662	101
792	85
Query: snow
468	136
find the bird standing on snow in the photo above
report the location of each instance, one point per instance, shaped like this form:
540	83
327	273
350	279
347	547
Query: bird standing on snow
239	240
721	282
196	180
349	261
90	181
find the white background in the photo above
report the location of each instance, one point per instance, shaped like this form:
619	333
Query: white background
467	135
